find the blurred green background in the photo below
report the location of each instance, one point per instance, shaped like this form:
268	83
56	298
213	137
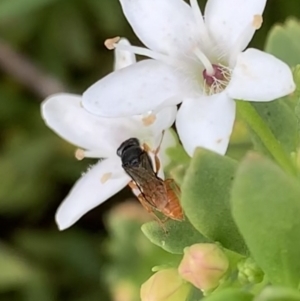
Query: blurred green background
48	46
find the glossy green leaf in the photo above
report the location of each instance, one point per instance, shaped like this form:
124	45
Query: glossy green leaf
229	294
281	120
205	198
266	208
278	294
283	42
175	235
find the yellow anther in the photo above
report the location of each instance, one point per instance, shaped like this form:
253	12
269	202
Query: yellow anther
79	154
149	119
110	43
105	177
257	21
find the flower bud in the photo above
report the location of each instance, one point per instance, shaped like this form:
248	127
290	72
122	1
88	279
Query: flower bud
124	290
249	272
165	285
203	265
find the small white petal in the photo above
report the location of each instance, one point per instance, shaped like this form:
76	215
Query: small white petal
139	88
164	119
206	122
162	25
259	76
64	114
68	119
229	20
91	190
152	134
123	58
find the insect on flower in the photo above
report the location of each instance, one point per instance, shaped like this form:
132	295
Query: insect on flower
154	192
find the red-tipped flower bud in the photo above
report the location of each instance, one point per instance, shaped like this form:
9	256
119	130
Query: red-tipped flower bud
203	265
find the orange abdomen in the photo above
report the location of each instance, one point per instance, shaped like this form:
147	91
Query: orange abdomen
173	208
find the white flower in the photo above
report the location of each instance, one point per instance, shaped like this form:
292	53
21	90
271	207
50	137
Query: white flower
99	138
198	60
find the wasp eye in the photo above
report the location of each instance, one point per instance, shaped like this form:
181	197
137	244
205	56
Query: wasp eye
134	162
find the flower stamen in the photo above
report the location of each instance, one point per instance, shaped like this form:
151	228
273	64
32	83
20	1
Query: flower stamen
257	21
142	51
110	43
79	154
217	82
205	61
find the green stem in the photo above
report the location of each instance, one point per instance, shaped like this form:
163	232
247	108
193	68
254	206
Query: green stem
261	129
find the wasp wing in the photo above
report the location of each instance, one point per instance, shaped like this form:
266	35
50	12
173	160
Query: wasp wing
144	177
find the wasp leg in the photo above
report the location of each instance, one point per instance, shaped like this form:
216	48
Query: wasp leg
150	210
147	149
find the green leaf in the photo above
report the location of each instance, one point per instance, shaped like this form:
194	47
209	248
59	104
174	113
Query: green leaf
297	113
283	42
194	295
178	159
178	154
266	208
205	198
281	120
230	294
175	235
177	173
278	294
13	8
14	270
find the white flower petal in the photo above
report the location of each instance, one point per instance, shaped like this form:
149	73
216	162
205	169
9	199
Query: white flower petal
66	117
233	22
123	58
259	76
139	88
164	119
64	114
90	191
206	122
162	25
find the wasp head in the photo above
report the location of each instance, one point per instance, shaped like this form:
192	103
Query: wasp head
129	152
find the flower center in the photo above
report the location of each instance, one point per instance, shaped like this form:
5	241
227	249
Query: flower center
211	78
216	81
216	76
